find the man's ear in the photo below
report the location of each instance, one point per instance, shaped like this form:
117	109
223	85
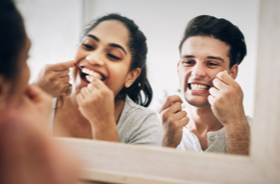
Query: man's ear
178	63
233	71
131	77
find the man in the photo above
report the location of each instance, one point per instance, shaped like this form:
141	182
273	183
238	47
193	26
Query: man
214	120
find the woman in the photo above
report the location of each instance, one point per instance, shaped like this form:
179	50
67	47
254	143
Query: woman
27	154
105	102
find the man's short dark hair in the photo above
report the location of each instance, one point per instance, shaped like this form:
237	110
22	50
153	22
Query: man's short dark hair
221	29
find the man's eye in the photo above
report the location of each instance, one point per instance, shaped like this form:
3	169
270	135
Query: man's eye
114	57
86	46
212	64
188	62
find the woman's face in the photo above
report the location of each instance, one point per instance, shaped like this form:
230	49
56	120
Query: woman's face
104	52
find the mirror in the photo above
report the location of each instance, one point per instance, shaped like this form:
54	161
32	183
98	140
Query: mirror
119	163
55	27
163	23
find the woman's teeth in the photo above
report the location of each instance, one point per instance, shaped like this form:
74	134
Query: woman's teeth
91	73
198	87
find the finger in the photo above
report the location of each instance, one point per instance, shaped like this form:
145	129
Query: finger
96	82
171	111
90	87
184	121
214	92
179	115
225	77
63	66
85	92
219	84
169	101
64	79
211	100
63	73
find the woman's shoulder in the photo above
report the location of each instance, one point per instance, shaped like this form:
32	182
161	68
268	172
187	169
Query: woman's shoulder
137	114
132	108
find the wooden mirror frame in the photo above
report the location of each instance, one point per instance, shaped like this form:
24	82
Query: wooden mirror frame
122	163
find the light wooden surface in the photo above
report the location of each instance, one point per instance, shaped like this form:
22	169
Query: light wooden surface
120	163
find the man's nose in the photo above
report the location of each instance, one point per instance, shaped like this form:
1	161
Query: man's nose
199	71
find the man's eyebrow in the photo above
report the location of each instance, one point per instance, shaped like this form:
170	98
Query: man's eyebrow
93	37
117	46
216	58
188	56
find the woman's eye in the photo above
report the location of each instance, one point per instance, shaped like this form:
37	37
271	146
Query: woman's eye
86	46
114	57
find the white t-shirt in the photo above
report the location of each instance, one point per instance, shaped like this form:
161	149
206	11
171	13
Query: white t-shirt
215	140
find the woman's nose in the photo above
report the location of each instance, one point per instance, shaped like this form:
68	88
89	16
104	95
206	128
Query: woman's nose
95	58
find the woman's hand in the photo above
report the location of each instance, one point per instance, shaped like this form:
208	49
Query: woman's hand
96	103
54	79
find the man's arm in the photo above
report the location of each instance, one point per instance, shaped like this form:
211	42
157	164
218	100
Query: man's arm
237	137
226	102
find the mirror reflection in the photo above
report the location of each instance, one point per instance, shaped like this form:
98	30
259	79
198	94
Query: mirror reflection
168	68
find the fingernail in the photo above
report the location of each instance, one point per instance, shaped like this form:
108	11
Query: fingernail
89	78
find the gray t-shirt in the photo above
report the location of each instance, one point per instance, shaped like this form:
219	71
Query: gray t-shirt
216	140
137	124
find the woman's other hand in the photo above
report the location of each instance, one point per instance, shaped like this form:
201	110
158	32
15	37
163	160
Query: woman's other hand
54	79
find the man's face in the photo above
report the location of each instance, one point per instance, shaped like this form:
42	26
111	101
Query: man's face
202	58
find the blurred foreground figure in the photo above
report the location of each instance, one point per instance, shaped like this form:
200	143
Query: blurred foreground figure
27	154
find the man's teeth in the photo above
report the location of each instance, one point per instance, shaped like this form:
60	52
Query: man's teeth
198	87
91	73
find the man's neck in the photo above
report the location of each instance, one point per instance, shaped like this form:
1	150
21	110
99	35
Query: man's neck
202	120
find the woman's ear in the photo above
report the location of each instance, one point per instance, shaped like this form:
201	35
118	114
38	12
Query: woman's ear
131	77
4	91
233	71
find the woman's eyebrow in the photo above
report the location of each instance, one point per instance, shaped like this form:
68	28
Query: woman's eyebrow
93	37
111	44
117	46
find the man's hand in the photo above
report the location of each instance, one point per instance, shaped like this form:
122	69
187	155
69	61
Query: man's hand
54	79
226	102
226	99
173	119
